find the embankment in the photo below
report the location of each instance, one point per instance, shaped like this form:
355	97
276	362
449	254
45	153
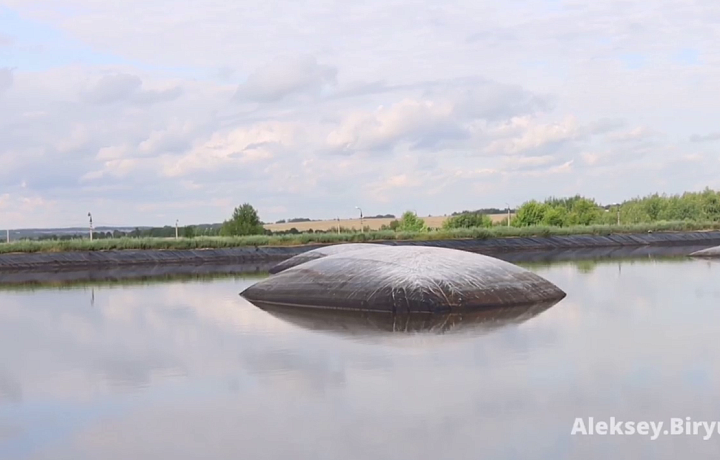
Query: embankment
265	254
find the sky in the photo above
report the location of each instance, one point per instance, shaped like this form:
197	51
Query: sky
147	112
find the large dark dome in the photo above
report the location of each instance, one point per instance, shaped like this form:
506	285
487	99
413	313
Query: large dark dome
405	279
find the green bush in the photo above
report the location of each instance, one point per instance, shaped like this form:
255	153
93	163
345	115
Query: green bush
468	220
410	222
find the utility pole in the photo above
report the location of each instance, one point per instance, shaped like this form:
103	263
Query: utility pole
176	229
8	235
362	229
338	219
508	208
618	215
91	227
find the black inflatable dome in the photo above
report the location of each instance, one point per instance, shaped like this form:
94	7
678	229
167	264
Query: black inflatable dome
404	279
319	253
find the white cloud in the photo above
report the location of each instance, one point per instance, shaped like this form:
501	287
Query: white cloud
303	108
127	88
5	40
534	136
6	79
285	77
238	147
408	120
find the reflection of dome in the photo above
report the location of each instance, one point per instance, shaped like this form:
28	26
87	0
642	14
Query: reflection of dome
709	252
320	253
353	323
405	279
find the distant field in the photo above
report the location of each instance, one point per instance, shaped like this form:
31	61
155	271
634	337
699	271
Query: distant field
374	224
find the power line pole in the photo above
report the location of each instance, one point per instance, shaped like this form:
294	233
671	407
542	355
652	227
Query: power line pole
91	227
176	229
8	235
508	208
362	229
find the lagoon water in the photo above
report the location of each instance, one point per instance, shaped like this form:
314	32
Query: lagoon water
189	370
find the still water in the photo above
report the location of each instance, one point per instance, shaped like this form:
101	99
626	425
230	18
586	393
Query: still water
189	370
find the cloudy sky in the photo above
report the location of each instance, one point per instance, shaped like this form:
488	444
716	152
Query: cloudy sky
147	111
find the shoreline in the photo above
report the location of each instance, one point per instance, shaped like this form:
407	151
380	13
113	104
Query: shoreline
273	254
156	273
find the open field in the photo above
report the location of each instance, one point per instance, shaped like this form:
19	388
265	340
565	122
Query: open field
306	238
374	224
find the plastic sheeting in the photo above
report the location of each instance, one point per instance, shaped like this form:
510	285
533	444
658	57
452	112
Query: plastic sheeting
404	279
495	245
132	273
709	252
130	257
320	253
127	257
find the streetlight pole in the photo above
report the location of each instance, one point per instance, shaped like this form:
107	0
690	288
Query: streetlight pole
362	230
91	227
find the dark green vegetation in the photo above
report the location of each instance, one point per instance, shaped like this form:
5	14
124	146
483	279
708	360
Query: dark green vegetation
244	221
563	212
555	216
468	220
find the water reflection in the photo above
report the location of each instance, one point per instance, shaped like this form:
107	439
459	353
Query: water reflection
351	323
187	370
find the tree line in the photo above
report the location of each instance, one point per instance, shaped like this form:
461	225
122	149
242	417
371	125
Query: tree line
577	210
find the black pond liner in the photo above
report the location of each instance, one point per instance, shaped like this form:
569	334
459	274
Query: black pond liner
319	253
709	252
354	323
405	279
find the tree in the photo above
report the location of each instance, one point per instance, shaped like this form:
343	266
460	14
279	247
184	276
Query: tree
244	221
410	222
188	232
468	220
555	216
530	213
584	212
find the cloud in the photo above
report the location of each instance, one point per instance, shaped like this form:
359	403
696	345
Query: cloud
534	137
6	79
124	110
408	120
236	148
5	40
449	113
705	137
639	133
285	77
127	88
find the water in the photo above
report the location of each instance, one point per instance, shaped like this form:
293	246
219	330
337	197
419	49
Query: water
188	370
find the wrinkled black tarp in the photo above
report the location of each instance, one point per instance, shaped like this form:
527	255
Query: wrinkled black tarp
320	253
405	279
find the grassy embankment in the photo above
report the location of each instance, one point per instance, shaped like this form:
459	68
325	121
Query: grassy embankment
305	238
